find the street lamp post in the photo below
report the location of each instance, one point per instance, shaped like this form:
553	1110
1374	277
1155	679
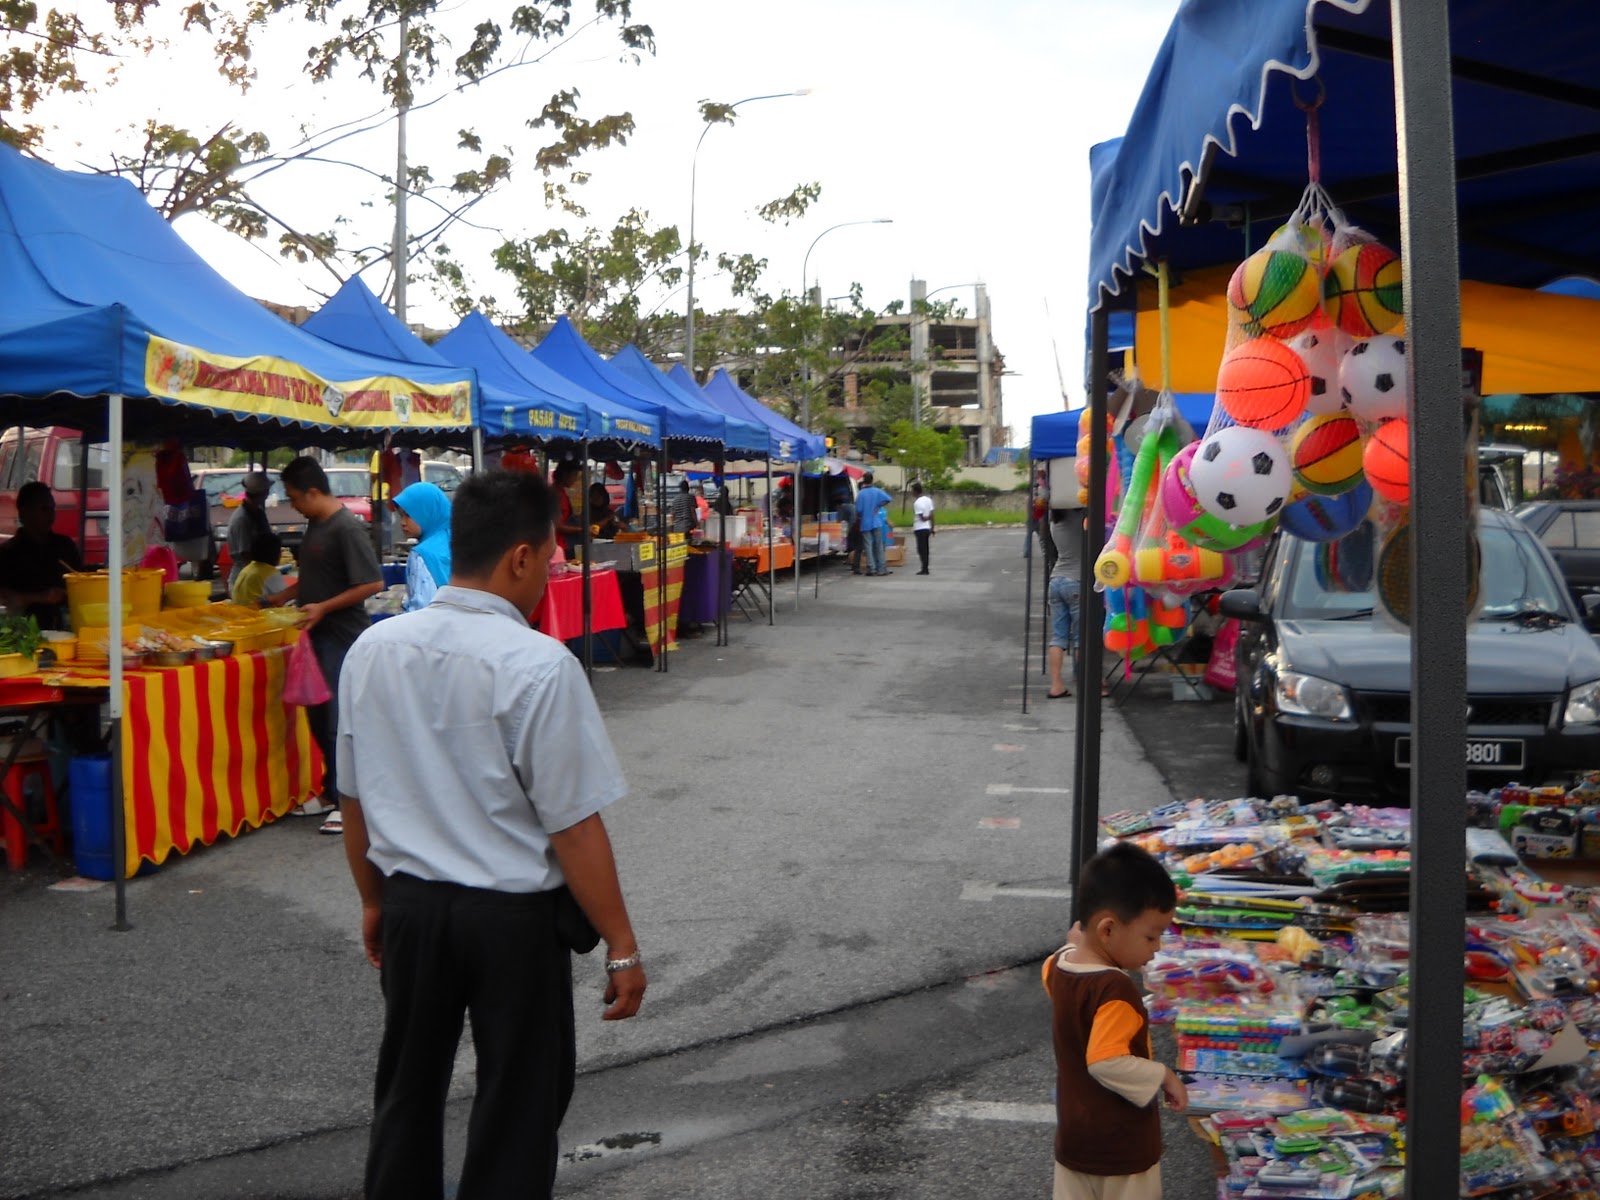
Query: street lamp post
694	167
805	268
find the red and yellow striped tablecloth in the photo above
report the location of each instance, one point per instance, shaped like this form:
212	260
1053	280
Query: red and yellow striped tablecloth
650	578
207	750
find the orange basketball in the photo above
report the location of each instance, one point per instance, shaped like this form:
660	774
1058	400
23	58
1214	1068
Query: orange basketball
1263	384
1387	460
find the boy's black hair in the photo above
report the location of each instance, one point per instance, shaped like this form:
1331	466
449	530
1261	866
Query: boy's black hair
494	511
305	474
33	492
1125	881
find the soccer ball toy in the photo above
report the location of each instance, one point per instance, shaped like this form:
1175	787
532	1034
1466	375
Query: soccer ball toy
1275	293
1241	475
1263	384
1387	460
1319	350
1373	381
1362	292
1178	500
1326	454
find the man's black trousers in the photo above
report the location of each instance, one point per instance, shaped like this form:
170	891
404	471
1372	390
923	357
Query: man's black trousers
923	537
448	951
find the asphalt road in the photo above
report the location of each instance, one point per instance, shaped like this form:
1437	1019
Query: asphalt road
845	851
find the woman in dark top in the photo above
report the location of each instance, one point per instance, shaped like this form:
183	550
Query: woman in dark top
35	562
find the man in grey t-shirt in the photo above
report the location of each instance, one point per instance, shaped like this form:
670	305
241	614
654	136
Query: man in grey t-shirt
338	571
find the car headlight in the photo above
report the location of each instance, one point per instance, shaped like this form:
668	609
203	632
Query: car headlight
1308	696
1583	705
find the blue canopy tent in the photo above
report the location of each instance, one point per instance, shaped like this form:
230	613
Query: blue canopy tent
1490	175
793	444
102	303
1055	435
545	405
102	297
747	439
684	430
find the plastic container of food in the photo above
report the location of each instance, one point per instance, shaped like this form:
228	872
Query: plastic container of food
169	658
186	593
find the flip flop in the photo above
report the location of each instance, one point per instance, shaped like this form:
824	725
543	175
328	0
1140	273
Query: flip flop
1058	695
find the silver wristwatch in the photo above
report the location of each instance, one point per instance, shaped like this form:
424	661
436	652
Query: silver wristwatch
613	965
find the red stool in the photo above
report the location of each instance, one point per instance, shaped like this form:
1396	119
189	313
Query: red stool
16	790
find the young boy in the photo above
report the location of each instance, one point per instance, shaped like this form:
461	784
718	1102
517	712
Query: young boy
1108	1131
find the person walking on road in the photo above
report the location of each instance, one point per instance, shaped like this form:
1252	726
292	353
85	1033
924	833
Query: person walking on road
871	501
474	770
922	523
1065	591
338	571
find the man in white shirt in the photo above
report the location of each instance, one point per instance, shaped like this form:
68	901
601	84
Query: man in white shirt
922	523
474	765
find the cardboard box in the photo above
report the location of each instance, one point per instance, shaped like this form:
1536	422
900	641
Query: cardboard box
895	556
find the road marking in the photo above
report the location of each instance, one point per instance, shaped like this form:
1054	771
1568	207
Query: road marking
1008	748
1021	728
942	1114
1009	789
999	822
983	892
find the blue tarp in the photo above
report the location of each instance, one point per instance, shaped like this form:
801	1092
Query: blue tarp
745	438
90	274
791	442
548	405
1526	130
564	351
1055	435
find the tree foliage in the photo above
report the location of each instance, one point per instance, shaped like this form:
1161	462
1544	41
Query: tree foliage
924	452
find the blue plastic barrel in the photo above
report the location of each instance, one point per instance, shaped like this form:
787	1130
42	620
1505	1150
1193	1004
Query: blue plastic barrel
393	573
89	785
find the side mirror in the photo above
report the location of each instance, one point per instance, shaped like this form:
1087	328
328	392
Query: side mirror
1591	610
1243	604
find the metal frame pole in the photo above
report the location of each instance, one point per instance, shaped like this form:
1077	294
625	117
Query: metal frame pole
1086	735
1439	554
662	530
797	521
1027	591
119	815
588	539
772	573
723	553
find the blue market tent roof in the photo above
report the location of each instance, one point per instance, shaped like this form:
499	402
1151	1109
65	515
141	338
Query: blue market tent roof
1055	435
563	350
101	296
1219	105
547	405
792	442
747	438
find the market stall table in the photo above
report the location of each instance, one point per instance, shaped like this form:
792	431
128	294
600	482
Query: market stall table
753	566
560	613
208	749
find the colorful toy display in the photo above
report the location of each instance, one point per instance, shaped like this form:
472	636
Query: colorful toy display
1320	350
1263	383
1363	293
1373	381
1328	518
1276	293
1387	460
1241	475
1325	454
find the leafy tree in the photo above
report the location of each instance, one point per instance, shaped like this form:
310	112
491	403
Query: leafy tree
924	451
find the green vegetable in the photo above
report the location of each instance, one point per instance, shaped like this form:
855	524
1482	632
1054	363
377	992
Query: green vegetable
19	635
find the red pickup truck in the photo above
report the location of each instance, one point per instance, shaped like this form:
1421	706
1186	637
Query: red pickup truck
53	455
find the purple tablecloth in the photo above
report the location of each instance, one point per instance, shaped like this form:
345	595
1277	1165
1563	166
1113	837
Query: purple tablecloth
703	601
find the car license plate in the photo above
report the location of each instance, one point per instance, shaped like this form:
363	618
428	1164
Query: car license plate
1483	754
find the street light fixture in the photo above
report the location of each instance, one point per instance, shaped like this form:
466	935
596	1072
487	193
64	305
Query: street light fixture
805	297
694	167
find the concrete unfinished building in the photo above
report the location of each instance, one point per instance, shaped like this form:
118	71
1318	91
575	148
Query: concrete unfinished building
951	364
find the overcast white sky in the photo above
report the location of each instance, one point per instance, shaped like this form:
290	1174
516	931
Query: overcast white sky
968	124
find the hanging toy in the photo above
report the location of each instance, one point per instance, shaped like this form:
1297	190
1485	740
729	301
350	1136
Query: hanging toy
1327	518
1176	561
1263	384
1127	628
1387	460
1363	292
1241	475
1275	293
1319	349
1114	566
1372	379
1325	453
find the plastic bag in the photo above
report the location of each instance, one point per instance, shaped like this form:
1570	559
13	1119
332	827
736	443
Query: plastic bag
188	519
1221	671
303	682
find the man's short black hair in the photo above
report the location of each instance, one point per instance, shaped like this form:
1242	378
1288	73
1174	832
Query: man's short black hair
305	474
916	488
566	469
1125	881
866	477
494	511
33	492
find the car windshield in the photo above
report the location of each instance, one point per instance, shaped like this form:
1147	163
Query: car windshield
442	475
1332	581
220	483
349	483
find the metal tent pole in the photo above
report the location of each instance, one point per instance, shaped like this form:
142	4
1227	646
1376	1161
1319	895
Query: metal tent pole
772	571
119	816
477	448
661	564
1439	554
1086	735
83	500
588	540
797	522
1027	599
816	577
722	551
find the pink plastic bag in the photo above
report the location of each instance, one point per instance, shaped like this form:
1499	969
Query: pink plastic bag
1221	673
303	683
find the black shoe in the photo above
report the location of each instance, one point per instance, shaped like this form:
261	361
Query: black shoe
921	572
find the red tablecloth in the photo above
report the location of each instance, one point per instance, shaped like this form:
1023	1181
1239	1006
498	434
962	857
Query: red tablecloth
560	613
